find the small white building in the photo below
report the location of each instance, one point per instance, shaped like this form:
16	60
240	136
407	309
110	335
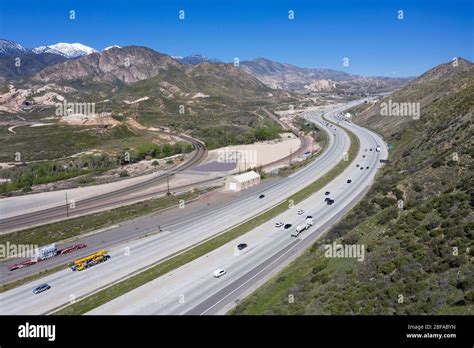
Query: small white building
242	181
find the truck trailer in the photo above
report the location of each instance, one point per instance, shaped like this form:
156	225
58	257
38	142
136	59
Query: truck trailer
304	226
89	261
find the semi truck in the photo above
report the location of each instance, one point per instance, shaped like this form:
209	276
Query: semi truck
89	261
51	253
301	227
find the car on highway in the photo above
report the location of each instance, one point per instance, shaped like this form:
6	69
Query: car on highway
357	165
300	212
261	196
287	226
41	288
241	246
327	193
349	181
327	199
219	273
361	168
363	156
366	167
279	224
330	202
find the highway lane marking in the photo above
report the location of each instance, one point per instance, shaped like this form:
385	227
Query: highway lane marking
308	239
90	199
264	264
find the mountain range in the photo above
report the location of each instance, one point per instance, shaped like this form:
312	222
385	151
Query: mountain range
287	76
67	50
273	74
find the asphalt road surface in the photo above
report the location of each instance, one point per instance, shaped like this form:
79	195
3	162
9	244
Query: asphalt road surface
136	255
192	289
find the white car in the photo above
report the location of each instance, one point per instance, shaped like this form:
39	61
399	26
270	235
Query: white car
300	212
278	224
219	273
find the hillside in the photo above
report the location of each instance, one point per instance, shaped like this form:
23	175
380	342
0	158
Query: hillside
127	64
419	255
17	62
30	63
214	102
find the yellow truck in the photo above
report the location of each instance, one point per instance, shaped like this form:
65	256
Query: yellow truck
89	261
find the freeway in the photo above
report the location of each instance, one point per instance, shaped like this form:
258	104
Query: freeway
192	289
133	256
123	232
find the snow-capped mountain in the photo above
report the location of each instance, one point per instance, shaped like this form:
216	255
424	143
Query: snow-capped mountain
8	48
68	50
113	46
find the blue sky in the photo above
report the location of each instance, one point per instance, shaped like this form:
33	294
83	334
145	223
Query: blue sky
320	36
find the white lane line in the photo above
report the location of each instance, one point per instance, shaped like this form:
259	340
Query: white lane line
278	258
253	277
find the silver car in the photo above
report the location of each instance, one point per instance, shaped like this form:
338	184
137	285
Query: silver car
41	288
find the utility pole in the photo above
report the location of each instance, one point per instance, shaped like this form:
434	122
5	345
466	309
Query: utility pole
67	205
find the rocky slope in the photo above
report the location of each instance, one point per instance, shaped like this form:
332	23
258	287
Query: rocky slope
127	64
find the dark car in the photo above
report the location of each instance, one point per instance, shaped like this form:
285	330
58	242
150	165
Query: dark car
366	167
327	199
327	193
261	196
287	226
357	165
41	288
349	181
241	246
330	202
361	168
363	156
370	149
